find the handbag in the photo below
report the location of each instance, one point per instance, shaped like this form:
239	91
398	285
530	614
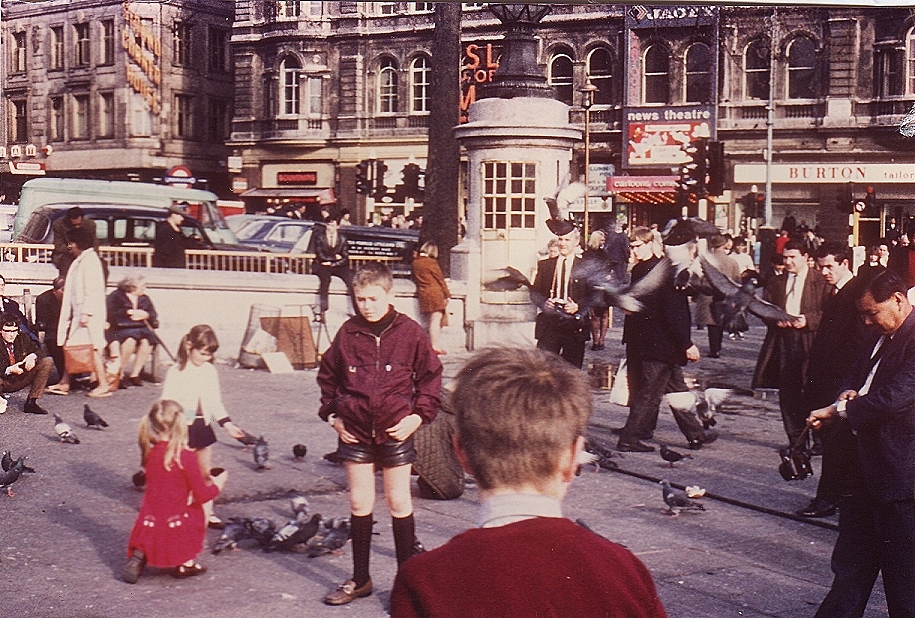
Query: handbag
79	357
795	465
619	392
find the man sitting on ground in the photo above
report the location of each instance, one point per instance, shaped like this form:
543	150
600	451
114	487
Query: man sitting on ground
24	364
520	416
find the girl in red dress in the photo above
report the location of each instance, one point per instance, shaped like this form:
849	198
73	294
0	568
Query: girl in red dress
170	528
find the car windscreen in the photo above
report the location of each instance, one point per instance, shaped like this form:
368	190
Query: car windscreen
253	229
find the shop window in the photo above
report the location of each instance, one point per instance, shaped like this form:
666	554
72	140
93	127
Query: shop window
509	195
656	75
561	78
698	74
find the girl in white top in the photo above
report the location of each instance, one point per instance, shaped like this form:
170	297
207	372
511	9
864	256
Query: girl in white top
193	383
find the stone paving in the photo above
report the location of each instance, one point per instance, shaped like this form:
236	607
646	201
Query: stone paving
63	536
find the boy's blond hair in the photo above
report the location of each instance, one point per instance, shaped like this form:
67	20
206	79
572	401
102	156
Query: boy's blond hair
518	410
373	273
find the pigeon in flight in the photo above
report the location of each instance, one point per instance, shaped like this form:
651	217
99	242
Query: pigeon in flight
93	420
628	297
740	298
559	205
11	476
671	456
335	534
598	456
907	126
261	454
677	500
64	431
295	532
679	231
299	451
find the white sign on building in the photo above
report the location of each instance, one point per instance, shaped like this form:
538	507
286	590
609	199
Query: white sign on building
825	173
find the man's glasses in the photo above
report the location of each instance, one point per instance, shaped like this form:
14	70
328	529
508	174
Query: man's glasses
636	244
10	330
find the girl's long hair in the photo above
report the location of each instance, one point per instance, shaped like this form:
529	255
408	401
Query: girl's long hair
165	422
200	337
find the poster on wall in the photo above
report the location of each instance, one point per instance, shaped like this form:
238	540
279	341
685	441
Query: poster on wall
659	136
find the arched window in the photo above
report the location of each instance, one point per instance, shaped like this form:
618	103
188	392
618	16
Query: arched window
656	76
698	74
756	71
910	61
802	69
289	70
420	73
387	86
600	73
561	78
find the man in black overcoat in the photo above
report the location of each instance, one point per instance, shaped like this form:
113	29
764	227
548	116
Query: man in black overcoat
877	506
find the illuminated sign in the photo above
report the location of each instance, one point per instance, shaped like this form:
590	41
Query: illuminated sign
642	184
658	136
144	49
297	178
478	67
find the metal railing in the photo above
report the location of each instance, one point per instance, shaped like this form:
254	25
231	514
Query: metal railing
195	259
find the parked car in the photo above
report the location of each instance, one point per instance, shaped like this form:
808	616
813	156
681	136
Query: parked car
120	226
282	235
7	217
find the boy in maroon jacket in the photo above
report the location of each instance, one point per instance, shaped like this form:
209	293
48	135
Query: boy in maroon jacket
520	415
380	380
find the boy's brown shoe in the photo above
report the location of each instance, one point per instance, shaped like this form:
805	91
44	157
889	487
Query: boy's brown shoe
347	592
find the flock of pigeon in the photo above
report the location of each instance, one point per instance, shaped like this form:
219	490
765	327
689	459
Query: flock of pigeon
313	536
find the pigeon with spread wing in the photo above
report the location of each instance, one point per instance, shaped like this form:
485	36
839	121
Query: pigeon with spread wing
740	298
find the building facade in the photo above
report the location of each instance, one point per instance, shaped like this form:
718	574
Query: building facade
324	86
116	90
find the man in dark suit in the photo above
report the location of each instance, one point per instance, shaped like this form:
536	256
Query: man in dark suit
658	345
22	364
783	357
877	507
562	326
841	338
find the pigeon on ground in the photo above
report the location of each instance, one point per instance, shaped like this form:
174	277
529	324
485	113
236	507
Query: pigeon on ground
335	534
92	418
262	529
299	505
739	298
299	451
7	463
261	454
677	500
236	530
11	476
671	456
295	532
64	432
247	439
139	479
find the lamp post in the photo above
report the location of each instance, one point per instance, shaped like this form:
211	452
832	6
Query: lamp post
588	90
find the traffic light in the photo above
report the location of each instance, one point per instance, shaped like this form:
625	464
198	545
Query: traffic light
754	205
380	189
716	168
410	175
846	200
693	170
871	208
363	183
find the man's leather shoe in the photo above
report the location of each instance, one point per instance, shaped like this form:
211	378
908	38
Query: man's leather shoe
32	407
347	592
634	447
818	508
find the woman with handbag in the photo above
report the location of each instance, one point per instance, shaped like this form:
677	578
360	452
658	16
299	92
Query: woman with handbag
82	315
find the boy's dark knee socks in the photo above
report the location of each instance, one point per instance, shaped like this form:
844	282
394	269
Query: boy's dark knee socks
361	527
404	536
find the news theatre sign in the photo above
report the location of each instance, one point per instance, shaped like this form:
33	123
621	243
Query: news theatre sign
825	173
659	136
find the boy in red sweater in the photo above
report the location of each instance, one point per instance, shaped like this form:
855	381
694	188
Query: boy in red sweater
380	380
520	415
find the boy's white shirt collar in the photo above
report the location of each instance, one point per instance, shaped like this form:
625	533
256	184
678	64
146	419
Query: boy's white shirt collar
503	509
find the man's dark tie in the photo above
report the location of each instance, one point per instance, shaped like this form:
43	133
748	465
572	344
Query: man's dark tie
9	350
834	291
562	280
